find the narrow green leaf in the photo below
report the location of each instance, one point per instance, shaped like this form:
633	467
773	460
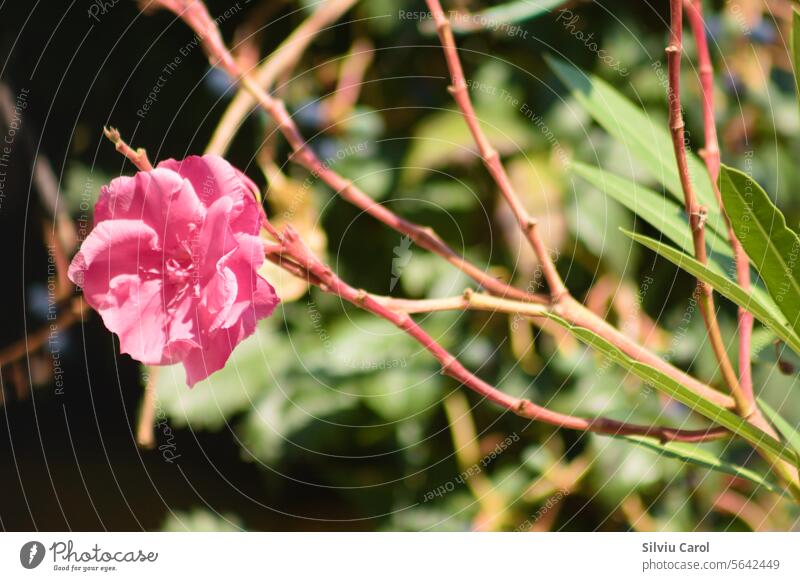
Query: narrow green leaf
663	213
784	427
681	393
518	11
773	248
726	287
693	454
796	49
644	136
498	16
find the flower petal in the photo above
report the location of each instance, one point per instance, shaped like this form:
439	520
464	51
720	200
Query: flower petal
213	177
160	198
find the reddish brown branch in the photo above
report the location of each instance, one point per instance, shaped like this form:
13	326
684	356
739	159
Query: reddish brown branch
489	155
69	314
292	252
711	156
697	214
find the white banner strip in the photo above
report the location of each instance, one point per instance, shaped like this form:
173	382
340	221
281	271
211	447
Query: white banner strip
401	556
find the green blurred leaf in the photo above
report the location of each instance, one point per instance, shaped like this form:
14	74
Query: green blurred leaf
203	521
694	454
762	311
599	231
400	394
772	247
210	403
286	409
497	16
795	42
443	137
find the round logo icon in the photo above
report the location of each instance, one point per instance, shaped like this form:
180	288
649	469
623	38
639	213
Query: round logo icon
31	554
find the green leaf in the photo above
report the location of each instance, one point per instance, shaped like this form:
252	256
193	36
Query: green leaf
693	454
773	248
232	389
659	211
796	49
201	520
502	15
443	137
681	393
762	311
599	230
496	17
784	427
646	140
284	410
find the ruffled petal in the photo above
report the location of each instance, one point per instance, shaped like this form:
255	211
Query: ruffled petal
213	177
160	198
200	363
118	268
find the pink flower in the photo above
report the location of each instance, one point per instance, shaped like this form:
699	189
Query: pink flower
171	263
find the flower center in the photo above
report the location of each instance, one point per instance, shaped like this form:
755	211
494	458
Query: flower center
178	272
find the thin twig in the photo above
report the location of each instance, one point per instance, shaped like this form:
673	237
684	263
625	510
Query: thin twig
281	60
697	214
69	314
490	156
145	433
467	449
711	156
136	156
351	78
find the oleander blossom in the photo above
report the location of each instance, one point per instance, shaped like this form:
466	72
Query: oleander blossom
171	263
